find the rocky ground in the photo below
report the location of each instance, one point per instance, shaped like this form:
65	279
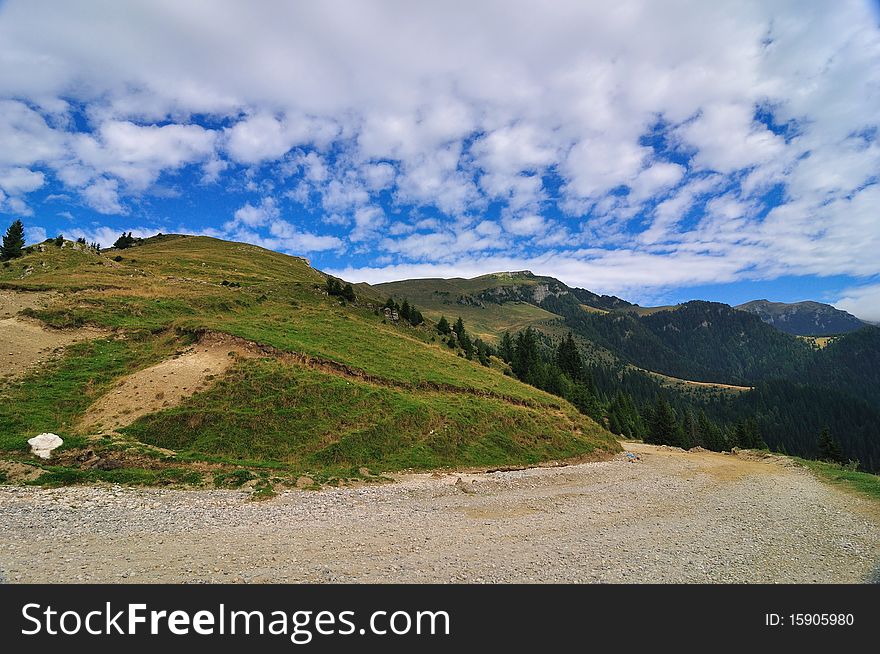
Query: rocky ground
669	517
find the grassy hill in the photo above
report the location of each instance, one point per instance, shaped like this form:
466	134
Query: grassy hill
332	387
461	297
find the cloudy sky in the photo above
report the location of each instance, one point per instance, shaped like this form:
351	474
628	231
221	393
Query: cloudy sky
656	150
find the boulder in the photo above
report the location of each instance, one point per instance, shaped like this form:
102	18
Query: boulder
43	444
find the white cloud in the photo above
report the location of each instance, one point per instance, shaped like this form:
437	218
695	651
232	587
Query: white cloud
657	178
34	234
367	221
103	196
139	154
17	181
527	225
861	301
256	216
293	240
264	137
453	106
727	138
26	137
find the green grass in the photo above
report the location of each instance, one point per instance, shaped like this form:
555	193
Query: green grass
405	401
66	476
51	399
320	420
863	483
436	297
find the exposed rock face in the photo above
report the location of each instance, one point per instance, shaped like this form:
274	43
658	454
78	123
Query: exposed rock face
43	444
804	318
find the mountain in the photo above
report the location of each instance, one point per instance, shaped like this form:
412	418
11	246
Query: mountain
207	358
804	318
498	302
702	357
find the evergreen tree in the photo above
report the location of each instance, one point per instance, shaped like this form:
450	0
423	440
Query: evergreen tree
568	358
348	293
405	310
829	447
443	326
466	344
13	241
126	241
458	328
526	361
333	286
747	435
415	317
712	437
505	349
690	430
59	240
663	428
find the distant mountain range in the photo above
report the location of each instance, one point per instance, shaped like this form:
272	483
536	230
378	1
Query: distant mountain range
804	318
798	386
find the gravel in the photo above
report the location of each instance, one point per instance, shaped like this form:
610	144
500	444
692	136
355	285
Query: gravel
669	517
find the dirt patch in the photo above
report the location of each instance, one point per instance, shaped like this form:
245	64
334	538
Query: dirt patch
17	473
163	385
26	343
11	302
721	466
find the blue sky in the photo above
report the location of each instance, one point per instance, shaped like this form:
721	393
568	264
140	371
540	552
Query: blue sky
724	151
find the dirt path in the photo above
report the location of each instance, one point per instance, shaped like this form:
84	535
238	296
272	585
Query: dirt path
671	517
161	386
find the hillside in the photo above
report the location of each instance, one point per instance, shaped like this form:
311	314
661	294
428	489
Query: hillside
701	357
498	302
311	386
803	318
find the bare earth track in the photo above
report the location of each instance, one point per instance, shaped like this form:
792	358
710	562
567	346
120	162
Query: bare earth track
671	517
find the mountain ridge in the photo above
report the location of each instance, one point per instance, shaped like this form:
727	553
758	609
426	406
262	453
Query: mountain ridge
805	318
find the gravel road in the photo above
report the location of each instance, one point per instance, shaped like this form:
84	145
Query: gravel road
670	517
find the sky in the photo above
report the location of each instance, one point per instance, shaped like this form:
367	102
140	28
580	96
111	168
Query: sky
659	151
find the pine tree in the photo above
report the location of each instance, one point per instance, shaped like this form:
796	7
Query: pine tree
466	344
405	310
568	358
443	326
125	241
13	241
458	328
505	349
663	428
690	430
829	447
526	361
348	293
712	437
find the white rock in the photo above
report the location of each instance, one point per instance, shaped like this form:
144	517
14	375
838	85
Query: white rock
43	444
